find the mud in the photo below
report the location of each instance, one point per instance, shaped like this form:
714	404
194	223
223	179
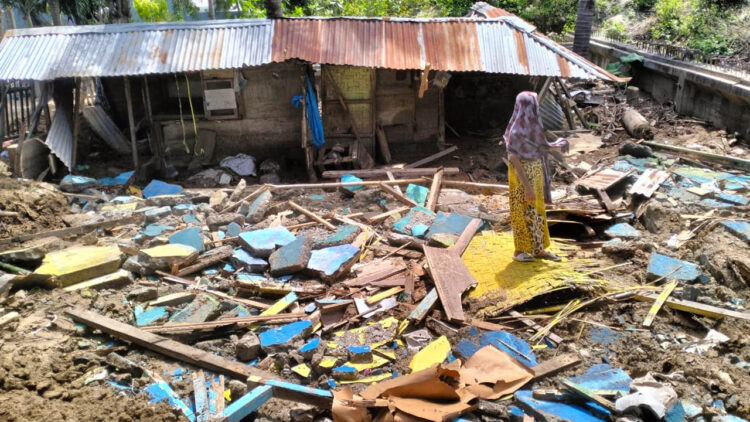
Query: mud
39	206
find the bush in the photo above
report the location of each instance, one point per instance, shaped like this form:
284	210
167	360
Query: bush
643	5
615	30
152	10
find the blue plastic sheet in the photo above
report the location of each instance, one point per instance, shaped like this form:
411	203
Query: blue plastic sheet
313	115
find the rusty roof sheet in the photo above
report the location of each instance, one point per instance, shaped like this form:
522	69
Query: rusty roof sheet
48	53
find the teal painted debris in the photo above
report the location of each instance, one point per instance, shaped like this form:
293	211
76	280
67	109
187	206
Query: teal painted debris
450	223
417	193
345	373
157	213
247	404
262	243
419	230
181	209
161	391
258	208
292	257
199	310
664	266
732	199
120	179
243	260
416	216
233	229
285	334
623	231
350	178
189	237
343	234
152	316
154	230
190	219
76	184
740	229
331	263
157	188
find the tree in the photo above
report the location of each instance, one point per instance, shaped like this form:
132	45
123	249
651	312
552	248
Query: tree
54	10
152	10
83	12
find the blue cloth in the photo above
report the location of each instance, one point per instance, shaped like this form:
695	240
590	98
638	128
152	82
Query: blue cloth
313	115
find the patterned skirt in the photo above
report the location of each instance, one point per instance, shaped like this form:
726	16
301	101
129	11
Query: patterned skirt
529	221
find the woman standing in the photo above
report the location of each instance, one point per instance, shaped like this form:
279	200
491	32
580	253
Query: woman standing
529	179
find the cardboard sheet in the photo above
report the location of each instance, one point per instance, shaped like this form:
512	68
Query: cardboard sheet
491	373
343	413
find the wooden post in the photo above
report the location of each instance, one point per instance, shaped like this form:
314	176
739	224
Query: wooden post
342	101
544	90
575	107
432	198
156	145
76	124
131	124
565	106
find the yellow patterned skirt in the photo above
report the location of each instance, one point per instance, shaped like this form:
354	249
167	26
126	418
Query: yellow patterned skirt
529	221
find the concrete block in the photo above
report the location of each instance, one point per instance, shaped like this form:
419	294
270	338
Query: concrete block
243	260
113	280
345	373
262	243
182	209
331	263
343	234
157	188
190	237
155	315
155	230
248	347
74	265
451	224
259	207
77	184
157	214
360	354
162	257
199	310
292	257
740	229
662	265
283	336
417	193
34	253
214	221
233	229
732	199
310	348
416	216
161	391
143	294
623	231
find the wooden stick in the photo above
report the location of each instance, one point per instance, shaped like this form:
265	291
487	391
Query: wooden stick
391	177
249	197
239	321
431	158
432	197
461	184
373	277
727	160
398	195
345	184
372	173
463	241
229	298
312	215
216	256
668	288
695	307
380	217
131	124
554	338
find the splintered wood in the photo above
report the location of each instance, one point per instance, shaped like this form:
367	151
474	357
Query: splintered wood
451	278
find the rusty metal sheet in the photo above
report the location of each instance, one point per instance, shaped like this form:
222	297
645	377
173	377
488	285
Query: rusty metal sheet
602	179
649	182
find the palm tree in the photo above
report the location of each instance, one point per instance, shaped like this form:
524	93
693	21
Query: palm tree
584	22
54	10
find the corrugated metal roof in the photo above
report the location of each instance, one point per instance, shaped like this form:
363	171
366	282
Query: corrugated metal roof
47	53
60	136
492	41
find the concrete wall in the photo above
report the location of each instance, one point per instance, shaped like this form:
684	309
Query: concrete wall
723	100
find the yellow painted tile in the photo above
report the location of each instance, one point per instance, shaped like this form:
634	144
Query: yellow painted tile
433	353
328	362
302	369
377	361
368	380
76	264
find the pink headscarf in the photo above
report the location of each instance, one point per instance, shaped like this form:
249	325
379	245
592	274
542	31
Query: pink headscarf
525	137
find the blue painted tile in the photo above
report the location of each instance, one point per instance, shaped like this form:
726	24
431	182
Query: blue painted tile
329	263
233	229
740	229
417	193
120	179
153	230
199	310
243	260
661	265
161	391
416	215
604	377
190	219
151	316
157	187
622	230
563	411
190	237
350	178
451	223
503	340
733	199
310	345
465	349
247	404
263	242
343	234
285	333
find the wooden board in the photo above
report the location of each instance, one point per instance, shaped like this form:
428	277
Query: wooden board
602	179
372	173
374	276
695	307
451	278
555	365
463	241
385	150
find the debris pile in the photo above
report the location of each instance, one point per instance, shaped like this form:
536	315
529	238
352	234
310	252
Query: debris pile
389	299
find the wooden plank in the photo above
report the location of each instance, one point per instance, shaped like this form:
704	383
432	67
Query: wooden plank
606	201
382	295
69	231
200	394
553	366
404	172
463	241
312	215
584	393
217	387
451	278
391	177
247	404
431	158
424	307
432	197
209	259
659	302
131	124
554	338
385	150
695	307
726	160
486	325
178	327
375	276
380	217
398	195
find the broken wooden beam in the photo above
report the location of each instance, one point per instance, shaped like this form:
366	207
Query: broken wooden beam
425	306
463	241
431	158
695	307
432	197
726	160
209	259
240	322
398	195
451	278
372	173
312	215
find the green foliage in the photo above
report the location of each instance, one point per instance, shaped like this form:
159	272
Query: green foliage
697	24
183	8
643	5
83	12
152	10
548	15
615	29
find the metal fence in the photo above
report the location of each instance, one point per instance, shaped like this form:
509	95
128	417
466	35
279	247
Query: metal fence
17	107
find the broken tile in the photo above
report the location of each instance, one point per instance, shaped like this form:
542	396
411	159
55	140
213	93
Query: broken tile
190	219
215	221
345	372
156	214
416	216
77	184
258	208
190	237
199	310
451	224
417	193
284	335
154	315
662	266
182	209
233	229
302	370
331	263
432	354
248	347
732	199
74	265
243	260
510	344
113	280
154	230
161	391
343	234
623	231
262	243
309	348
465	349
740	229
292	257
157	188
360	354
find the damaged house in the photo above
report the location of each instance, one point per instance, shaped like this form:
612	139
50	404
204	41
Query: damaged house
320	91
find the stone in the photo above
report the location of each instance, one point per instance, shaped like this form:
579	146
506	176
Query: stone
263	242
74	265
214	221
331	263
241	259
458	201
133	265
619	248
32	253
233	229
237	389
217	199
154	230
162	257
417	193
190	219
636	150
200	309
279	338
343	234
345	373
158	188
143	294
157	214
622	230
248	347
259	207
662	265
151	316
124	364
77	184
182	209
292	257
190	237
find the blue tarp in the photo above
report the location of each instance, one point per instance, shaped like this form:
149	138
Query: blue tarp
313	115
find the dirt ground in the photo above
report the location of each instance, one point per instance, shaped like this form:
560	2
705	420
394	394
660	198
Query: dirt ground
39	206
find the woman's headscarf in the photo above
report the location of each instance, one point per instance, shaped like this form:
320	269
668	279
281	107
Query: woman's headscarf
525	137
